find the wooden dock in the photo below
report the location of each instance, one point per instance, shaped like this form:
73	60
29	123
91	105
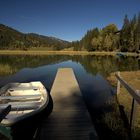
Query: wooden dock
69	119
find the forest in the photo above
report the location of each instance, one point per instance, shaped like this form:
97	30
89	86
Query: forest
13	40
109	38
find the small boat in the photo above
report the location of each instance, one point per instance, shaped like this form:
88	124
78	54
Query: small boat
22	101
121	54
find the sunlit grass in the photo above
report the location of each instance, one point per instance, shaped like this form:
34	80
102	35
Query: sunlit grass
40	49
125	99
43	51
113	120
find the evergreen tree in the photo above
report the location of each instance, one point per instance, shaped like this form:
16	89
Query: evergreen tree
133	23
137	34
76	46
87	39
125	35
108	37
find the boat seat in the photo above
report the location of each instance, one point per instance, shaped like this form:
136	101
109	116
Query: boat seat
22	105
22	108
23	92
25	97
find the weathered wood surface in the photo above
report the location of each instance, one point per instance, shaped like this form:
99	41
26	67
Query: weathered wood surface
130	89
118	84
135	96
70	119
133	113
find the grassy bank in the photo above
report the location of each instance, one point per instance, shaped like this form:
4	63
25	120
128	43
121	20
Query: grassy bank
124	98
45	52
6	69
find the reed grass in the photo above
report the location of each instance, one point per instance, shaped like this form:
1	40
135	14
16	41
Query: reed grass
113	119
62	52
5	69
125	99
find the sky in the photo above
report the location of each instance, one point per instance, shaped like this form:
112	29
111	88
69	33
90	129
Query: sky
65	19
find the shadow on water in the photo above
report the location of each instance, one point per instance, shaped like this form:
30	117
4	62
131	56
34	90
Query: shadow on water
68	120
96	94
26	129
90	72
126	121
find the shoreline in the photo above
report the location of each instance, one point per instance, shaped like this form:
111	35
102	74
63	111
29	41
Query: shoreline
125	99
42	52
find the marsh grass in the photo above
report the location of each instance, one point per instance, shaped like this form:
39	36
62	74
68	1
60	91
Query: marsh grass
6	69
43	51
125	99
113	119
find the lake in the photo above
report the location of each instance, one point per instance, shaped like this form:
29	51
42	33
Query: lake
91	73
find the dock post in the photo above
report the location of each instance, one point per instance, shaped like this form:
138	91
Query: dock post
133	112
118	83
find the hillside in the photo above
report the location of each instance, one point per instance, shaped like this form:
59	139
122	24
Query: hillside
13	39
109	38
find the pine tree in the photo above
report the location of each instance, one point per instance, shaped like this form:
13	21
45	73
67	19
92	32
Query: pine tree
131	39
137	34
125	35
87	39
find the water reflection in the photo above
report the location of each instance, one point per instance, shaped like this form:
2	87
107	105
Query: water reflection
92	64
90	72
88	69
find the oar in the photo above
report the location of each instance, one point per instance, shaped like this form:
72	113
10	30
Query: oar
4	112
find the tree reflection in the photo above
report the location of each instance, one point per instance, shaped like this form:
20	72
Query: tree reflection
103	65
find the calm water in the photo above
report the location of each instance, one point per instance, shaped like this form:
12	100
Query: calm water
90	71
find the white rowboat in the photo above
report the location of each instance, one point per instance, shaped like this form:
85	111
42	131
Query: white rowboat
25	99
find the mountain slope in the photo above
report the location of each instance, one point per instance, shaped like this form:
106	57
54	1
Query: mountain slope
13	39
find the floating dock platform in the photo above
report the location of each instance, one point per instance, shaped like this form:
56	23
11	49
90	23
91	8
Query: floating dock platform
69	119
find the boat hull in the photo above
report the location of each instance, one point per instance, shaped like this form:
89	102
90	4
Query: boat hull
24	126
26	129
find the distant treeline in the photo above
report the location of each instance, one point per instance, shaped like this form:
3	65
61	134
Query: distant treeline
13	39
111	39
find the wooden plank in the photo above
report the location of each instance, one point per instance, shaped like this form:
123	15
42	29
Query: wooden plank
135	95
133	112
118	84
21	105
131	91
22	97
70	119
